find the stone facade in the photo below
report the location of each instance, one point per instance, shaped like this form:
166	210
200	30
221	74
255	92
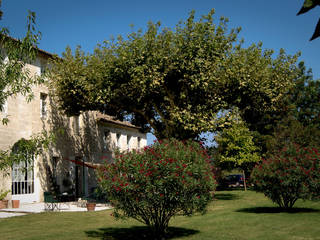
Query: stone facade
81	142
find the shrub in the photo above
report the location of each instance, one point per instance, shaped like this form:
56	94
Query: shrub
154	184
291	174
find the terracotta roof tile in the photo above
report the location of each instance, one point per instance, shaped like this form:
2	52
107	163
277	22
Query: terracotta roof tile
107	118
38	49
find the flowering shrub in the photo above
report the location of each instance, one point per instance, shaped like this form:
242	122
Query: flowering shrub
155	184
292	173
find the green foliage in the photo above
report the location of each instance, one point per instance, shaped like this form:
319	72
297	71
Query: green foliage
308	5
292	130
153	185
3	194
236	148
299	120
305	97
174	81
24	150
15	78
296	118
291	174
259	84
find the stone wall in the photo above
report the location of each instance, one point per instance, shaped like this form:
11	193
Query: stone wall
82	138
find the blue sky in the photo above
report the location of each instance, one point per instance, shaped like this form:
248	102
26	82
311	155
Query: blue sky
86	23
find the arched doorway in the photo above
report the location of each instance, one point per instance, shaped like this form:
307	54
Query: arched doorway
23	178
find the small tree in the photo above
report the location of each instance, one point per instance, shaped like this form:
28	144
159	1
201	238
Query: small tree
291	174
236	148
15	77
159	182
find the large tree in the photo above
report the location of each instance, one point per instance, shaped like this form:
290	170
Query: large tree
175	81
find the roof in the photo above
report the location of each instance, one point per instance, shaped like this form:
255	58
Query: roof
100	117
110	119
51	55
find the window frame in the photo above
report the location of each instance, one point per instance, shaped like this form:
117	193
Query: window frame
43	105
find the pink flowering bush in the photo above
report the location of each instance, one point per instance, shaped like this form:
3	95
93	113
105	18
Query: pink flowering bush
154	184
291	174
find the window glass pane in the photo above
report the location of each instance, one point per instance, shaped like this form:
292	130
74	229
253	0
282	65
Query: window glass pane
22	178
128	142
43	105
118	140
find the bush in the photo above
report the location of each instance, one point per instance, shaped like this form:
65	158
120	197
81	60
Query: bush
291	174
153	185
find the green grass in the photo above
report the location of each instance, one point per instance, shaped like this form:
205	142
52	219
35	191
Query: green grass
233	215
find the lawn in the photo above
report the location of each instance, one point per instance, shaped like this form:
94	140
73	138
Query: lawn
233	215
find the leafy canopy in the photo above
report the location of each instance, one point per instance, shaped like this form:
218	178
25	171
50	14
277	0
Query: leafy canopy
299	121
174	81
236	148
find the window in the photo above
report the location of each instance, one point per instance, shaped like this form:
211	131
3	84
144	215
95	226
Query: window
118	136
128	142
22	178
76	124
43	105
106	139
43	69
54	166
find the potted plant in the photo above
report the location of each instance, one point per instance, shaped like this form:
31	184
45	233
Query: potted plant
3	202
91	206
15	203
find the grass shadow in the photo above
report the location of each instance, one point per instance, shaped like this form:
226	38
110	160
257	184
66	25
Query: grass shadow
225	196
276	210
136	233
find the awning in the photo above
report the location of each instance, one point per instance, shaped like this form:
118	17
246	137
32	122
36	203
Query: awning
86	164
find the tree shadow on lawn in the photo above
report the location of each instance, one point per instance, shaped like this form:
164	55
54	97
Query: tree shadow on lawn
276	210
225	196
136	233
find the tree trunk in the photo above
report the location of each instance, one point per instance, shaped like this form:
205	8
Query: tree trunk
244	180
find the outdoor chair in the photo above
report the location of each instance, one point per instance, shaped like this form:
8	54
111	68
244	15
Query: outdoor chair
50	202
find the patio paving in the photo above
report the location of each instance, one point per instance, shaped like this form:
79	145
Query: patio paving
10	214
29	208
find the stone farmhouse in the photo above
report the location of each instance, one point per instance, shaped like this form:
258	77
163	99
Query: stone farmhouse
81	142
